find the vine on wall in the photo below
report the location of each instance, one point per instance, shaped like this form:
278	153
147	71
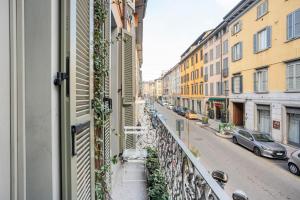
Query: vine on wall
101	111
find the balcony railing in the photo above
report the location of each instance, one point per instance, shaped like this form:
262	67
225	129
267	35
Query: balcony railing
186	177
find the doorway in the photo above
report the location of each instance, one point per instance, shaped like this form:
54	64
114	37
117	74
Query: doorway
238	114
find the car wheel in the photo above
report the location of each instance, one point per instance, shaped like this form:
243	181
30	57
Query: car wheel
234	140
257	151
294	169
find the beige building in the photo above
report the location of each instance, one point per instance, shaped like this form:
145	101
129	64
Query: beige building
216	86
158	88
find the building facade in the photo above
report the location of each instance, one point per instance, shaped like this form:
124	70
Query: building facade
216	66
192	76
158	88
265	66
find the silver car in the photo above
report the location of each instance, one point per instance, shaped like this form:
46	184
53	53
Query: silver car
294	163
261	144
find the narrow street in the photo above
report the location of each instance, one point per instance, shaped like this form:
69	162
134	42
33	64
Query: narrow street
261	178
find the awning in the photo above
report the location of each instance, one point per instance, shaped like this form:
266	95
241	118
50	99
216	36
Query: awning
216	99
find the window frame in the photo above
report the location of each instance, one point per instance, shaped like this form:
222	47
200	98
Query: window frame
236	28
240	84
258	81
266	11
294	89
233	51
294	36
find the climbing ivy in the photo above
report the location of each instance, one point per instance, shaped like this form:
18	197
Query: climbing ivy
101	111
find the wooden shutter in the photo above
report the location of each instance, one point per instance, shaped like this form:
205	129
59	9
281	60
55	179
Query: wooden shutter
297	23
241	84
269	36
255	43
290	26
108	101
290	77
77	114
255	81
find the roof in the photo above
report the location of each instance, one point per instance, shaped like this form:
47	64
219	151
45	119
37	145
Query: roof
241	7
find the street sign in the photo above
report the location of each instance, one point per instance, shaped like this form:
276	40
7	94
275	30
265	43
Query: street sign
179	125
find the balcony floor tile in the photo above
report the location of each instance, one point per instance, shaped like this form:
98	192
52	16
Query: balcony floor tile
130	183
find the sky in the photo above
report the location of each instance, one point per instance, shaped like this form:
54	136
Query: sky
171	26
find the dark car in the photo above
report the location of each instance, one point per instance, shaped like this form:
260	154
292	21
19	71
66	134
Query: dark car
176	108
182	111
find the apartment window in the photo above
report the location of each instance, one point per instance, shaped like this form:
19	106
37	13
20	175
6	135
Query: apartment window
196	57
225	63
218	68
206	89
237	51
181	90
225	88
261	80
192	60
225	47
211	89
237	27
262	40
206	70
201	88
205	58
211	70
262	9
201	54
218	51
192	89
211	54
293	25
218	88
201	71
237	84
293	76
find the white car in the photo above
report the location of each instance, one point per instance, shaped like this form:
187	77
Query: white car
171	107
165	104
294	163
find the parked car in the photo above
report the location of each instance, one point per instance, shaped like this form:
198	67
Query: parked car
170	107
182	111
294	163
260	143
165	104
191	115
175	109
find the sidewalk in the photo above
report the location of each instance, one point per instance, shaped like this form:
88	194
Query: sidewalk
214	125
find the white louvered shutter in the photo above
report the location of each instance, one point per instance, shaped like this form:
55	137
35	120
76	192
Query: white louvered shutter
77	135
128	86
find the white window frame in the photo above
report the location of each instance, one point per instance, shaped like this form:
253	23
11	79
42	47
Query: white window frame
261	80
237	51
236	28
236	84
262	9
293	77
294	35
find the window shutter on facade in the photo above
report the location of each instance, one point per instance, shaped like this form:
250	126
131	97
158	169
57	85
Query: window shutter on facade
269	36
77	115
128	76
255	43
297	23
290	26
241	84
255	81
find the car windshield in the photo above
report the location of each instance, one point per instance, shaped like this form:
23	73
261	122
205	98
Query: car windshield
262	138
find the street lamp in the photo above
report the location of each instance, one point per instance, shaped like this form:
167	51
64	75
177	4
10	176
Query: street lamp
226	104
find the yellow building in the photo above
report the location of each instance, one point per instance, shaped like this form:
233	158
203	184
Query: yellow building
265	67
192	76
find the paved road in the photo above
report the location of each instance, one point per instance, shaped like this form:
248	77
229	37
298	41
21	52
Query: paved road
260	178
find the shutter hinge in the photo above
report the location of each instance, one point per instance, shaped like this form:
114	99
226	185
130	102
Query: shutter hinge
60	77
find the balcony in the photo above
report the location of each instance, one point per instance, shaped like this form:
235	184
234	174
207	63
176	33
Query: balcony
185	176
